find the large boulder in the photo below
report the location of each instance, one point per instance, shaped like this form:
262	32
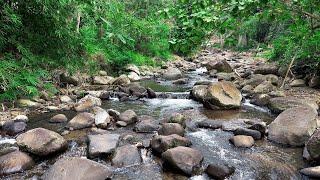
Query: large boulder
172	74
280	104
171	128
313	145
14	162
101	117
161	144
128	116
81	120
41	141
146	124
87	103
294	126
185	159
126	155
78	169
219	65
102	144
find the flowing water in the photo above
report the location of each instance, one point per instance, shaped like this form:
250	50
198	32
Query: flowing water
265	160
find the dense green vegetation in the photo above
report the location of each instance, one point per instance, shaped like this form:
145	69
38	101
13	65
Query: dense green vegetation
38	36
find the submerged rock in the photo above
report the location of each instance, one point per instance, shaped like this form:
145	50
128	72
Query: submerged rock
294	126
160	143
15	162
77	168
219	172
102	144
185	159
41	141
126	155
81	120
171	128
242	141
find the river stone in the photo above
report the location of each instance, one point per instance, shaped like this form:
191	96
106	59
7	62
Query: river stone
257	79
314	82
260	99
294	126
211	124
8	146
199	92
101	117
146	124
247	89
78	169
151	94
59	118
242	141
312	172
219	65
103	73
128	116
66	99
14	127
87	103
267	69
279	104
172	74
133	76
219	172
27	103
121	80
178	118
126	155
14	162
69	79
133	68
102	80
248	132
171	128
102	144
264	87
226	76
121	123
81	120
114	114
313	145
184	159
41	141
298	83
222	95
261	127
160	144
20	117
180	81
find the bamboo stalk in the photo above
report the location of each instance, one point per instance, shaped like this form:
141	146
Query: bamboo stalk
289	69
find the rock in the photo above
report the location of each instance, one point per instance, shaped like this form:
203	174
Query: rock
146	124
136	90
313	146
277	93
178	118
87	103
294	126
199	92
160	143
280	104
14	127
69	79
133	68
101	117
121	123
220	66
298	83
265	87
219	172
257	79
247	89
27	103
133	76
211	124
312	172
128	116
77	168
59	118
184	159
261	127
266	69
102	144
103	73
41	141
15	162
121	80
314	82
113	113
23	118
242	141
8	146
66	99
126	155
180	81
171	128
102	80
248	132
222	95
260	99
172	74
151	94
81	120
226	76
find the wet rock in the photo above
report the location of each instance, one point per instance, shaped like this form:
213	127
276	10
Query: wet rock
146	124
8	146
59	118
185	159
264	87
312	172
102	144
171	128
128	117
199	92
66	99
69	79
121	80
202	83
294	126
27	103
219	172
222	95
178	118
280	104
41	141
77	168
14	127
81	120
133	76
298	83
101	117
219	65
87	103
266	69
15	162
242	141
160	143
313	145
248	132
102	80
209	124
172	74
260	99
114	114
151	94
126	155
121	123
